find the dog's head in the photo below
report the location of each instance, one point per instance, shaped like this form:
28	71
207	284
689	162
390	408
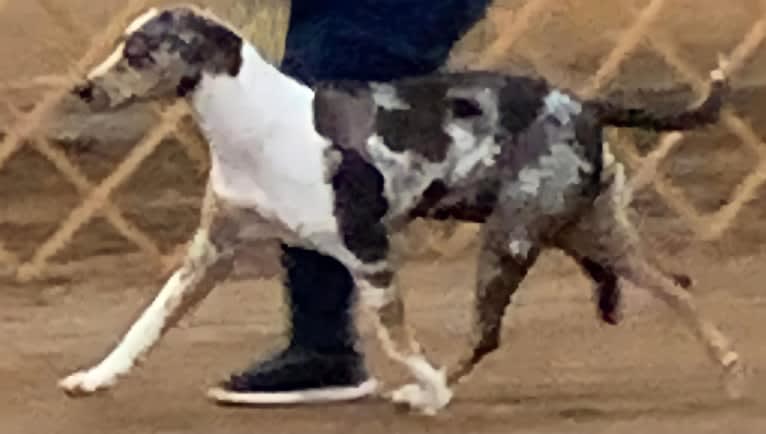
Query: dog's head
161	54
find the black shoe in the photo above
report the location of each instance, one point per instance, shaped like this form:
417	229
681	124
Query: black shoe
297	376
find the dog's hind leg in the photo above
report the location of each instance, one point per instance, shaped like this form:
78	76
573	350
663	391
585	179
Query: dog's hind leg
616	201
608	291
208	261
608	240
499	275
638	270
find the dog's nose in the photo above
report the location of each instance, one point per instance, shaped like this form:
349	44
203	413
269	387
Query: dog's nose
84	91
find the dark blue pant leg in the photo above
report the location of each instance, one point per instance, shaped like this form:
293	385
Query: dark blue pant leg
356	40
320	299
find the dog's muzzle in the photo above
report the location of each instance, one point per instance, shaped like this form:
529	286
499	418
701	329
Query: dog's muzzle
84	91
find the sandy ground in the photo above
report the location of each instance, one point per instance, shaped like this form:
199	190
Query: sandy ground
559	371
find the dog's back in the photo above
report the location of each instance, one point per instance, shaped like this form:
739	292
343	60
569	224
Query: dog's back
445	143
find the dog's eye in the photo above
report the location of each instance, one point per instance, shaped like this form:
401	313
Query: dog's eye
137	51
166	17
136	46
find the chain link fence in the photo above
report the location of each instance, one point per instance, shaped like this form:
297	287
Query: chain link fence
77	189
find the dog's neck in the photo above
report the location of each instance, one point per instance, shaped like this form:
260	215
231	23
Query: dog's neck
266	153
258	106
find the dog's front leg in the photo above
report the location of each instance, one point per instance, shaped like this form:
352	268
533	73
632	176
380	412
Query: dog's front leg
430	393
208	260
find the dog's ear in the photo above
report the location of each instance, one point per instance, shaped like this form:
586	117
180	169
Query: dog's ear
345	115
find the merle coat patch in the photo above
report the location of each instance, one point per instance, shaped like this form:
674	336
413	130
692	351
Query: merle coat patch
440	146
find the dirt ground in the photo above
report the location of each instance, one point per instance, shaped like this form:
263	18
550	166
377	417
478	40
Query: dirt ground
559	370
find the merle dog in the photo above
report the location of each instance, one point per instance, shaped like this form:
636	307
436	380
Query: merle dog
341	167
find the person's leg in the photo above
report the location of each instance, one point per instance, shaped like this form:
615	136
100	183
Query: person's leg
321	362
321	319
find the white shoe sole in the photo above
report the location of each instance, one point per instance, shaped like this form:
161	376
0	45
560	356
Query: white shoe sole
309	396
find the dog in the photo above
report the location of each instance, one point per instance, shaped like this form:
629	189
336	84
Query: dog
341	167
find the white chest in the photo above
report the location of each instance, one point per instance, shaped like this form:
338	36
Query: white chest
266	155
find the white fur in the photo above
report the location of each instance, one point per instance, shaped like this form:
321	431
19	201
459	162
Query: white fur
406	175
144	333
374	297
140	20
472	151
107	64
266	154
468	152
561	105
430	394
520	248
385	96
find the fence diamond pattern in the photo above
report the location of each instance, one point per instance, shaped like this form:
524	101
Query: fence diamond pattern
96	198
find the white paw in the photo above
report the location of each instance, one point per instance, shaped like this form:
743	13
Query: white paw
426	400
430	394
85	383
735	378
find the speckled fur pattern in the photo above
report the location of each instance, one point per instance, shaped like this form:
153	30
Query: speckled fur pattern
342	167
524	159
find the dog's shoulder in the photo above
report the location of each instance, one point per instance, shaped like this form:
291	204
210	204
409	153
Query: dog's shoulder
344	113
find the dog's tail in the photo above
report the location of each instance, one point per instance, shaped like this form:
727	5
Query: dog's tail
706	113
